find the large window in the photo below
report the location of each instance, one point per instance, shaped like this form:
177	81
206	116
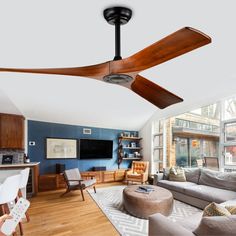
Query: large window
189	150
209	131
229	143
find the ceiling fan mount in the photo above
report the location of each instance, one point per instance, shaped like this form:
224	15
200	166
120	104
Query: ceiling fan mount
126	72
117	15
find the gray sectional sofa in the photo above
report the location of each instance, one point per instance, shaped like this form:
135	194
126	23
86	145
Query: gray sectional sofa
203	186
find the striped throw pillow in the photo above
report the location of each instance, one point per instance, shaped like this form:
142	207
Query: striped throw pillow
177	174
214	209
231	209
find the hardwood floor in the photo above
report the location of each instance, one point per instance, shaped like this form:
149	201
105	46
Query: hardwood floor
51	214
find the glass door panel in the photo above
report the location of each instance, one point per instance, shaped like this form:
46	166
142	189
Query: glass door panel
195	151
210	148
182	152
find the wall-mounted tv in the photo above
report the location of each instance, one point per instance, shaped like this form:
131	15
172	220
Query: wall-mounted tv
95	149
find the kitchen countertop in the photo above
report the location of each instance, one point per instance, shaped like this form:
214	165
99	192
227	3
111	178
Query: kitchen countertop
19	165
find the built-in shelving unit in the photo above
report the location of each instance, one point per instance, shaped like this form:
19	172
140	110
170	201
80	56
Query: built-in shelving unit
129	149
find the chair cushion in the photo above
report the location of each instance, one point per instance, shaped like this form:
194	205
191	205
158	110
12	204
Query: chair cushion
136	176
218	179
214	209
175	186
139	167
192	174
210	194
88	182
217	226
72	174
177	174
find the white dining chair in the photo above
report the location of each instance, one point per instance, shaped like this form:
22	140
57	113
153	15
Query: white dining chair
8	193
23	182
22	187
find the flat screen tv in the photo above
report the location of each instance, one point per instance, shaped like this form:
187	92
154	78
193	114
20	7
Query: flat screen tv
95	149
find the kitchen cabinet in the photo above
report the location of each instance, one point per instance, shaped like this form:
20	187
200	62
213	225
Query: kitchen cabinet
12	131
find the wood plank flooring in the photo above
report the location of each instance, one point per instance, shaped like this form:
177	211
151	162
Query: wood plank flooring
51	214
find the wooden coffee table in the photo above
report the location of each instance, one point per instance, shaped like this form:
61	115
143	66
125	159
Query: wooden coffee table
143	205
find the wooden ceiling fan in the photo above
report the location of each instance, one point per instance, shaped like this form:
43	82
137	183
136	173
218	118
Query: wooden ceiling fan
126	71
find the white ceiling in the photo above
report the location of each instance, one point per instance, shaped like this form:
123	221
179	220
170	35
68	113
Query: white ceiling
60	33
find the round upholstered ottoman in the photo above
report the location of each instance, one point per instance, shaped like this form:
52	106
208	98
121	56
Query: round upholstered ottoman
143	205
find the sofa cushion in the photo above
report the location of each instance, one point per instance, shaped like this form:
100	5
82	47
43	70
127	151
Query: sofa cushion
166	172
175	186
192	174
210	194
229	203
218	179
192	222
177	174
214	209
217	225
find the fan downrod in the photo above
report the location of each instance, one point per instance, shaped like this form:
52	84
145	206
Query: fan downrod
117	16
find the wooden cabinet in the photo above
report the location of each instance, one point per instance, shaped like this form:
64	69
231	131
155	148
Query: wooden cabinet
105	176
120	174
88	174
51	182
12	131
108	176
56	181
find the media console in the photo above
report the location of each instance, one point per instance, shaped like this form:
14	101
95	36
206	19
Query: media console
56	181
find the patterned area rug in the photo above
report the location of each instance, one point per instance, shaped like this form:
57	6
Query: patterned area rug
110	201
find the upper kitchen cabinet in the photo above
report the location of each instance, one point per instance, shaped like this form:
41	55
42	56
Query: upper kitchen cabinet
12	129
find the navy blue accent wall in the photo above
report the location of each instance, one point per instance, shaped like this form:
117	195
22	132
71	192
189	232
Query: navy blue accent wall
39	131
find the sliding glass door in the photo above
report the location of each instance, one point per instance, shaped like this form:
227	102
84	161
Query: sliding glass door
189	150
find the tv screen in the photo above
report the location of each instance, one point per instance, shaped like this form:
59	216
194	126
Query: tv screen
96	149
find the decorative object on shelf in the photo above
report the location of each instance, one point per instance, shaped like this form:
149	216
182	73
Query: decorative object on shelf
26	159
133	144
58	148
128	148
126	134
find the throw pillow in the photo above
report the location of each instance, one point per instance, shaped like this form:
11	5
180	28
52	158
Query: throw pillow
214	209
177	174
231	209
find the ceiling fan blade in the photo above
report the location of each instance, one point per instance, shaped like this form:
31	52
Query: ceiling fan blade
174	45
154	93
94	71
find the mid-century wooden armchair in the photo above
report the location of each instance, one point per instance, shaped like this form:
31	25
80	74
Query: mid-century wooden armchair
75	182
138	172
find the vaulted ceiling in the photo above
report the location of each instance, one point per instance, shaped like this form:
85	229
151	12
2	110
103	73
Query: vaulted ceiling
74	33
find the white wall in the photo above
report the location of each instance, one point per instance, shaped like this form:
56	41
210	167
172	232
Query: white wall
146	134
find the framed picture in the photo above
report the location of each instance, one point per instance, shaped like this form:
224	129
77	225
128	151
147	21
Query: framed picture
59	148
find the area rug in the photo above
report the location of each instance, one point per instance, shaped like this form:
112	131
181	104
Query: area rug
110	201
